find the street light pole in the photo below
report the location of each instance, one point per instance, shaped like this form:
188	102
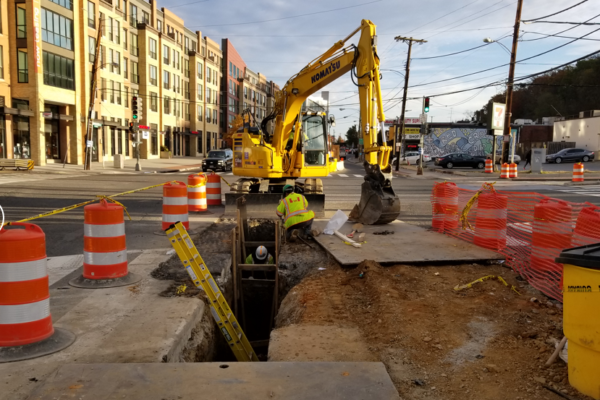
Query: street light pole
511	76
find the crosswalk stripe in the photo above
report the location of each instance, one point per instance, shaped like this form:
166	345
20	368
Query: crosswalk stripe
358	176
343	175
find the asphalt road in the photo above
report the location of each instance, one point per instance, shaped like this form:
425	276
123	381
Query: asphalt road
24	195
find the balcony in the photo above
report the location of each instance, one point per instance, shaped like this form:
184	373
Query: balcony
171	34
152	55
166	85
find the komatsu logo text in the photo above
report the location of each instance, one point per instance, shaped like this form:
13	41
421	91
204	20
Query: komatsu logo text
320	75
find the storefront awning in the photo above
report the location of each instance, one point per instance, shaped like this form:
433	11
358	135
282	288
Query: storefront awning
8	110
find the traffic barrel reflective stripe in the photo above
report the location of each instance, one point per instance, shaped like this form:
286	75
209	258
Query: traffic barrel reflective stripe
197	192
104	244
490	221
551	234
175	204
504	173
24	292
578	170
587	227
513	171
489	166
213	190
445	206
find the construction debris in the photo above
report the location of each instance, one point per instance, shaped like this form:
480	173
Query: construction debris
386	232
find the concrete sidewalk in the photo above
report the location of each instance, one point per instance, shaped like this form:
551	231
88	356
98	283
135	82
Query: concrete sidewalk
177	164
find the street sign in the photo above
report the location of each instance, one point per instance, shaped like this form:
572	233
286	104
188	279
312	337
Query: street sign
496	116
90	143
144	127
145	134
498	132
412	136
412	131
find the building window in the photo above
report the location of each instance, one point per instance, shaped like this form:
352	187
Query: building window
91	49
133	15
65	3
58	71
153	75
167	102
186	67
166	79
200	69
176	60
117	31
125	68
186	89
200	91
126	95
187	44
207	114
166	54
176	83
91	15
111	95
134	45
159	25
110	28
187	111
153	102
22	66
152	49
135	78
117	90
57	30
200	112
145	17
215	120
208	91
124	9
125	38
21	23
1	62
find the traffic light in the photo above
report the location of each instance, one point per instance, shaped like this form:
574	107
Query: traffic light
131	128
136	108
426	108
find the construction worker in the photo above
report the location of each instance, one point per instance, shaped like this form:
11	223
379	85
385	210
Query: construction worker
260	256
295	213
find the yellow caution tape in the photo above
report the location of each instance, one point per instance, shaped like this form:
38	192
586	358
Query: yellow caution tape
499	278
465	212
85	203
30	164
223	179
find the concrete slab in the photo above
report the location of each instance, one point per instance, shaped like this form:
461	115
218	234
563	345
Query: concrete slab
409	244
116	325
243	381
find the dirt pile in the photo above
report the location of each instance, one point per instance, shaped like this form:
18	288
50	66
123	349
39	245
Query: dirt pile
484	342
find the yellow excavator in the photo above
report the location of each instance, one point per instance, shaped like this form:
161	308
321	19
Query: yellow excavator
298	146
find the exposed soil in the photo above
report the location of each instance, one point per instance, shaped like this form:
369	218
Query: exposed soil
483	342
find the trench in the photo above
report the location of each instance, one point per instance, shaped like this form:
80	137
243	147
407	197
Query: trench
255	303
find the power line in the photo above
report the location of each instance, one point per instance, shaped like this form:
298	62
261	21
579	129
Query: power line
187	4
289	17
556	13
558	36
458	52
564	22
566	30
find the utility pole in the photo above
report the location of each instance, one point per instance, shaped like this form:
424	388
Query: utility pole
88	150
511	77
402	116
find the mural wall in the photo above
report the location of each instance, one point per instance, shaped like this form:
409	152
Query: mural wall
474	141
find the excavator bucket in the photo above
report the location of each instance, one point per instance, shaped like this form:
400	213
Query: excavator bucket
378	203
263	205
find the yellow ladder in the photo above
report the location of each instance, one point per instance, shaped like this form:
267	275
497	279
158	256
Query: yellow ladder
222	314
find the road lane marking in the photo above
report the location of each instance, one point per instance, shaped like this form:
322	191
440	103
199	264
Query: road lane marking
343	175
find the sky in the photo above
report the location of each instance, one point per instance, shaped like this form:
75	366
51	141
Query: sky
279	37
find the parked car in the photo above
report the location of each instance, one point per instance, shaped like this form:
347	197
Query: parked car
499	158
460	160
412	157
573	155
218	159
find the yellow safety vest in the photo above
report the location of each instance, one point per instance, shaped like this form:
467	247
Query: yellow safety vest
294	209
250	260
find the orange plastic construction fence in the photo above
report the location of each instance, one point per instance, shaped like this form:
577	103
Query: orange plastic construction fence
536	228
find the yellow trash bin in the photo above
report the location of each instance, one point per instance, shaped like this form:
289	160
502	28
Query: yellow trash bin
581	316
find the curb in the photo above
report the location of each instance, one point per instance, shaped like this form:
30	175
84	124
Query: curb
586	183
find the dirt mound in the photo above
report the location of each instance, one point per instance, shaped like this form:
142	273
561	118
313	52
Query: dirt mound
483	342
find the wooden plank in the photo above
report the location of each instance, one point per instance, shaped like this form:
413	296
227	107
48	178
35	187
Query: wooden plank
257	267
234	265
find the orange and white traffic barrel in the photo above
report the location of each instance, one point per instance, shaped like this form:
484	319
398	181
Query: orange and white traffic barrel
587	227
197	192
104	248
490	221
551	234
445	206
213	190
175	205
504	172
513	171
489	166
578	169
25	295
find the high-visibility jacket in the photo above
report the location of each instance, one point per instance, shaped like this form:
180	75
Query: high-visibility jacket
294	210
250	260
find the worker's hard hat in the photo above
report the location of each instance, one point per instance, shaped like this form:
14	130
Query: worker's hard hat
261	253
288	188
